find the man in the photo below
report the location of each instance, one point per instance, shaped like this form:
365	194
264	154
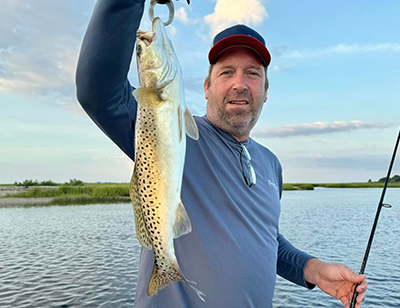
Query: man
235	249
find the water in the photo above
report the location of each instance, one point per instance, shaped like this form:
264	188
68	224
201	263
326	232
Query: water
72	256
87	256
334	225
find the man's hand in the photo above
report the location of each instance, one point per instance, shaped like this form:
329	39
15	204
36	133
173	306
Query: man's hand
337	280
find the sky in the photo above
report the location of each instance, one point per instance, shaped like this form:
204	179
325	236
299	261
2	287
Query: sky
333	108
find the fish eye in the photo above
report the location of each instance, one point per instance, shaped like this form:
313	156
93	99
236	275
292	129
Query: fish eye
138	50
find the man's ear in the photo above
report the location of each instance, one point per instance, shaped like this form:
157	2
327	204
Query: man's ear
205	88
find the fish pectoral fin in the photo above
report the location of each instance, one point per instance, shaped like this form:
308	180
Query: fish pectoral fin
142	233
148	98
190	125
182	223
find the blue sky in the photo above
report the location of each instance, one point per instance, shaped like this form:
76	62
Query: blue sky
333	109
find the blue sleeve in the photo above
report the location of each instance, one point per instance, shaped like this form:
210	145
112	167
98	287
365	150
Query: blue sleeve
291	263
102	86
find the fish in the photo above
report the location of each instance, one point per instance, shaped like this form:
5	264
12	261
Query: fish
161	126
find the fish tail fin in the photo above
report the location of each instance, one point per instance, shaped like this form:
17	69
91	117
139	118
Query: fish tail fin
192	284
159	281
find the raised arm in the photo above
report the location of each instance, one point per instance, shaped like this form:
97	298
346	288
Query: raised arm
103	89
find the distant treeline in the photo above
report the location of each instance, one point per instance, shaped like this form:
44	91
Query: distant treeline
28	183
395	179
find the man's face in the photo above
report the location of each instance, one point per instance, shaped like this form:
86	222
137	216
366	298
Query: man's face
236	92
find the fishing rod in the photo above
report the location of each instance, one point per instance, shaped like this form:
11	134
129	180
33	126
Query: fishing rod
371	237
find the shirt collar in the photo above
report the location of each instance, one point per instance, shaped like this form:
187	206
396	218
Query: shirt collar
225	135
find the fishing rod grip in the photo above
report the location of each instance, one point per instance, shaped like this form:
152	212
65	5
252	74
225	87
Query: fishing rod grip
355	294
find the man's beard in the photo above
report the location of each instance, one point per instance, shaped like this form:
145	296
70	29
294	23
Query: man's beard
238	122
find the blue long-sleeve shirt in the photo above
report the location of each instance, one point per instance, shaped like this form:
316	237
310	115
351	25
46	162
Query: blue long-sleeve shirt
235	249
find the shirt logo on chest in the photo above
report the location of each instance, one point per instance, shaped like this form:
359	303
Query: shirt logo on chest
270	183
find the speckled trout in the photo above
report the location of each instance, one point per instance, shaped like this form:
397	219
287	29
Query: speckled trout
162	123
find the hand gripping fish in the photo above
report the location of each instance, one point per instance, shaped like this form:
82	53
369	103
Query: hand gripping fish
162	123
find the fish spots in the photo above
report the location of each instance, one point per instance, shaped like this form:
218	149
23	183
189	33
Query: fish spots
149	175
148	166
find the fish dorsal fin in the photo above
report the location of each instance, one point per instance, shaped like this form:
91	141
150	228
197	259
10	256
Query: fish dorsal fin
191	126
148	98
142	233
182	223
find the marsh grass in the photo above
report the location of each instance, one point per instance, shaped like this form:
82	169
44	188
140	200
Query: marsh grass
29	183
119	192
310	186
357	185
77	192
287	186
87	199
304	186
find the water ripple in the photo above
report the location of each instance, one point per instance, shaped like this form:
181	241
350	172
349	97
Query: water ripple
87	256
78	256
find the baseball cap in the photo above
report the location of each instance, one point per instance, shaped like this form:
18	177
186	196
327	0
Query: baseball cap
239	35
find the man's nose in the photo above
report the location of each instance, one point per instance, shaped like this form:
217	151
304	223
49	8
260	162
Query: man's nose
240	82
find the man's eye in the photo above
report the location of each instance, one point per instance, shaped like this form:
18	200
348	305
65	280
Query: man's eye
226	73
254	73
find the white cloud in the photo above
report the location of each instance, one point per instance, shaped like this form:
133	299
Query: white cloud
316	128
281	68
340	49
39	48
123	161
181	15
172	30
227	13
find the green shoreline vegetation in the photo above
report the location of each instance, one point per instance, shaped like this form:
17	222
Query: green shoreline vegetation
86	194
77	192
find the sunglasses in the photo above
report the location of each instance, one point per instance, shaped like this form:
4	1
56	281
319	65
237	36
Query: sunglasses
247	169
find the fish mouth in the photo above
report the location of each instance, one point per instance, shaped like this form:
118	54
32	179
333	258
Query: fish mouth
160	59
146	37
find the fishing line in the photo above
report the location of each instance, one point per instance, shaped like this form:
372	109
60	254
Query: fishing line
380	205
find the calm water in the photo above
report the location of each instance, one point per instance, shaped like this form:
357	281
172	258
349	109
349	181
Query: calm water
335	224
86	256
